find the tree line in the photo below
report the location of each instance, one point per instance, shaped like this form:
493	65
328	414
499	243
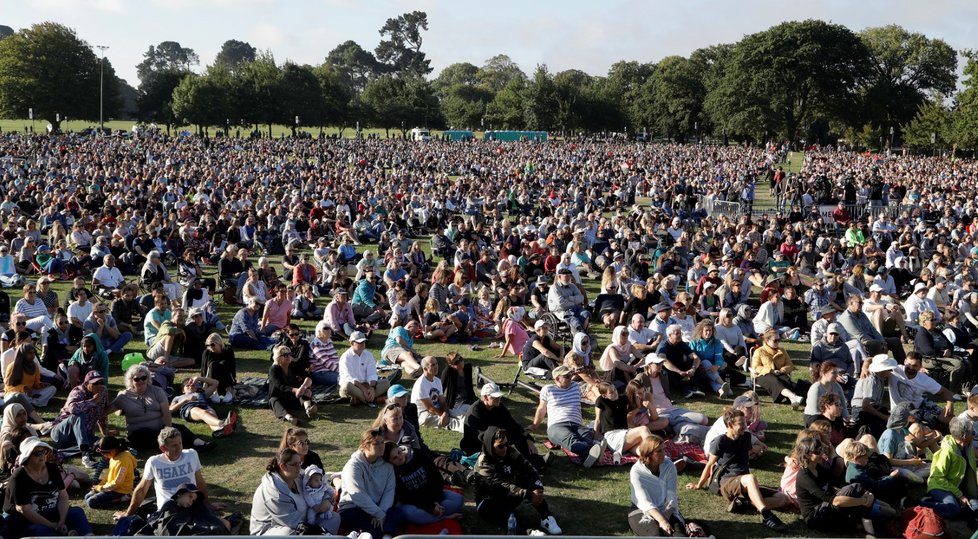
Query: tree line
802	81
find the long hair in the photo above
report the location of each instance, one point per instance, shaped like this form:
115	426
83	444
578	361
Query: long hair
23	363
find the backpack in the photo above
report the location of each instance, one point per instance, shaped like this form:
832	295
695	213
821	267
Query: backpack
922	523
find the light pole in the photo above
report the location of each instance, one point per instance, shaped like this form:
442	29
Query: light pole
101	89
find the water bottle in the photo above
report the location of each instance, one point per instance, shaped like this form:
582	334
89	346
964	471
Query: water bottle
511	525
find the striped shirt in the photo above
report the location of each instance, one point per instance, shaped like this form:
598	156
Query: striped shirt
563	405
323	356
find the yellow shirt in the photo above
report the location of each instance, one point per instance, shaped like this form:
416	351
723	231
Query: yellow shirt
27	381
121	474
768	360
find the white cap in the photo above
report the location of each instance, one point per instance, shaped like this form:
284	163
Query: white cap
876	288
539	324
491	389
653	358
358	336
918	287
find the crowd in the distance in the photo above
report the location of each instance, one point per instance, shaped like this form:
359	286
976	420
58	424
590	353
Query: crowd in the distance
868	267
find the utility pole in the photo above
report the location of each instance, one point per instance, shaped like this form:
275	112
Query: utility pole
101	89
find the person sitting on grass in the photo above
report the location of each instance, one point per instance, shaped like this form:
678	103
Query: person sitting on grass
622	434
655	493
358	374
193	405
399	349
169	340
289	390
420	493
504	480
117	484
829	510
727	473
952	489
560	404
772	371
428	394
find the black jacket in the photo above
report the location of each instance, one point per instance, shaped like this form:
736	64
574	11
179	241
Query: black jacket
511	476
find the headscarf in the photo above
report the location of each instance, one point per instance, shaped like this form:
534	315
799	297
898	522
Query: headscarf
21	365
579	349
100	361
516	313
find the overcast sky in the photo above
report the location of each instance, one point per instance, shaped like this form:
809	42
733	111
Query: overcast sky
587	35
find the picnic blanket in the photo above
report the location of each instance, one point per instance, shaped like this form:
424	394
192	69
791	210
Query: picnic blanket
607	459
252	391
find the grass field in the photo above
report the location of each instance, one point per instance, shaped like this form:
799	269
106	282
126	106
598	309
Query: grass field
576	495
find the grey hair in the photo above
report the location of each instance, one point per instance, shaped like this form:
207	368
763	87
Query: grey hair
133	372
322	325
166	434
961	427
672	328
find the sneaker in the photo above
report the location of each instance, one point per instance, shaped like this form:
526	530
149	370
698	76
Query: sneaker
311	411
797	403
536	533
550	526
697	393
216	399
89	461
725	390
595	453
616	457
741	361
547	458
688	394
231	421
772	521
291	419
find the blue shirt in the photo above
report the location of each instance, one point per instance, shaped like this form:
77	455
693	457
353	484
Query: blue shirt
244	322
392	337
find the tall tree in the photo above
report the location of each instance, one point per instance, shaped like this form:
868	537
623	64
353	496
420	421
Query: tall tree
507	109
625	85
498	71
258	92
48	68
571	99
677	96
303	98
5	31
462	73
201	100
541	100
354	66
465	106
906	68
400	48
931	125
336	96
234	54
784	78
964	131
401	102
162	69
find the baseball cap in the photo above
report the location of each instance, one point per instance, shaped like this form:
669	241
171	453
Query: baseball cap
183	489
918	287
93	376
833	328
876	288
539	324
709	284
491	389
397	390
826	309
358	336
652	358
563	271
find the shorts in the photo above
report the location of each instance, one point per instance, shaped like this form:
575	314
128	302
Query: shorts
616	439
392	354
731	488
186	408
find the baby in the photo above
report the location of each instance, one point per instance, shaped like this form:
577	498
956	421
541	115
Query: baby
319	496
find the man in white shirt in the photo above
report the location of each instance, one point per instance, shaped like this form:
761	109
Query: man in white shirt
358	373
428	395
885	314
917	303
173	467
908	384
107	277
640	336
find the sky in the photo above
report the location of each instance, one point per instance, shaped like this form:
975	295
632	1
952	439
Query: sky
568	34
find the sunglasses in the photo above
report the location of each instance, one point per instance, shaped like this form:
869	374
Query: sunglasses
140	378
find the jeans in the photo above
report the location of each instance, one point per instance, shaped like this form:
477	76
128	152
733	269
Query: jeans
245	342
356	519
103	500
714	377
573	436
72	431
114	346
946	504
75	521
325	378
451	502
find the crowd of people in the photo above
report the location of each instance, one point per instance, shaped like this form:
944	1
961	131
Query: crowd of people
867	265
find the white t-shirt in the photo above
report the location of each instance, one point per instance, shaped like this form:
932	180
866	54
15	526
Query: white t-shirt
81	312
167	476
642	336
425	389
